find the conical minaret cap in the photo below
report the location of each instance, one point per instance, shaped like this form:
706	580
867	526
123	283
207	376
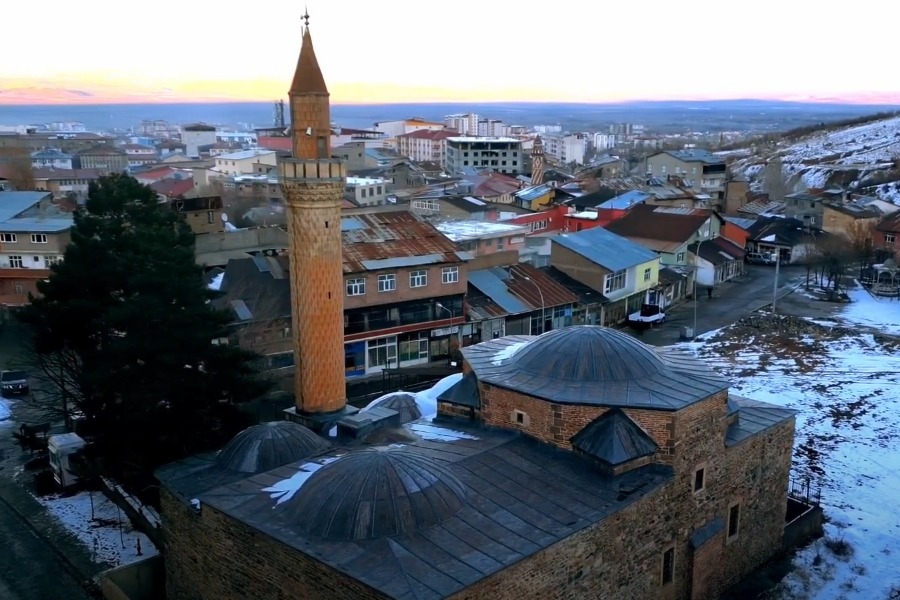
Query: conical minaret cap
308	77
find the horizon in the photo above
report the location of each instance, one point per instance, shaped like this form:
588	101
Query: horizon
522	67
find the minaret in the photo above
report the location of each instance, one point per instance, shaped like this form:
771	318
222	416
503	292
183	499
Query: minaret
537	161
313	184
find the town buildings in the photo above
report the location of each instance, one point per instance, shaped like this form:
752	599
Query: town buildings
104	158
578	463
245	162
463	123
500	154
565	148
425	145
701	169
366	191
196	135
393	129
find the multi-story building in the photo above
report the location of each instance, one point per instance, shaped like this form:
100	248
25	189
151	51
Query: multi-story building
34	234
366	191
139	155
65	182
403	296
465	154
396	128
492	128
425	145
485	237
700	169
245	162
104	158
51	158
565	149
32	141
542	129
196	135
202	215
605	141
463	123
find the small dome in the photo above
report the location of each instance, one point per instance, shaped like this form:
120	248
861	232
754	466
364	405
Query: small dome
403	402
587	353
375	493
268	446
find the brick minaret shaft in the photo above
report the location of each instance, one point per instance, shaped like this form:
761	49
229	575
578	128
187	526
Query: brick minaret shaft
313	184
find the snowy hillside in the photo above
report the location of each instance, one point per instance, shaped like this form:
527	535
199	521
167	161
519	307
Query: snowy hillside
866	154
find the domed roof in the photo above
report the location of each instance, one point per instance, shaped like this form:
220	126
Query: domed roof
588	353
592	365
375	493
268	446
403	402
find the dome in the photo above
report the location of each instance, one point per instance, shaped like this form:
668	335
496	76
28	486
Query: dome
596	366
375	493
403	402
588	353
268	446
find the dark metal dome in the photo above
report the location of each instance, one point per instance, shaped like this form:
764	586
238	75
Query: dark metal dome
375	493
268	446
403	402
587	353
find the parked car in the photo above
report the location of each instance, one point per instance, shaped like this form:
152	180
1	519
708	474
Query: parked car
758	258
14	383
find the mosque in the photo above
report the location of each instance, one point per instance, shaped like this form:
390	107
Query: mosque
576	464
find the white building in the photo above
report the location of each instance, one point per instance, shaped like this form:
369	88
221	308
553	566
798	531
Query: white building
425	145
567	148
394	128
51	158
463	123
492	128
548	128
196	135
501	154
367	191
605	141
246	162
241	138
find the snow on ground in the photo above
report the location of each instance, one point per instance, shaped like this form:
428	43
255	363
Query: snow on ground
426	399
844	384
5	412
109	535
870	311
216	282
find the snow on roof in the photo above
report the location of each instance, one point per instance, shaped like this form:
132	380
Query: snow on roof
245	154
481	139
365	180
459	231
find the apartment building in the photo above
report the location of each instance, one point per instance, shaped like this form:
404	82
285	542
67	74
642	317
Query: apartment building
104	158
245	162
501	154
493	128
463	123
425	145
366	191
565	149
196	135
700	169
396	128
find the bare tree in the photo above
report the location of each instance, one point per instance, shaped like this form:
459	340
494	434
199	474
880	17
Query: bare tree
55	381
775	181
18	169
861	233
834	256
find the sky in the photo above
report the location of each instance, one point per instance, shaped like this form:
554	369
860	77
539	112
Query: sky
466	50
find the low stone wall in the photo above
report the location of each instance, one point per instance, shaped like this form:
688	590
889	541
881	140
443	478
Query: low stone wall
804	528
142	580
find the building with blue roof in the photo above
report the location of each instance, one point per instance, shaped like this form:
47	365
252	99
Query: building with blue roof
626	273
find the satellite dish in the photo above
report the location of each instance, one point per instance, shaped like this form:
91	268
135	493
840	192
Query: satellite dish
224	218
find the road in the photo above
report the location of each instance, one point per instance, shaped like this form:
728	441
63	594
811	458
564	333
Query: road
731	301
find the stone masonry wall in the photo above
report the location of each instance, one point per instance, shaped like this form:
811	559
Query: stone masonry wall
213	557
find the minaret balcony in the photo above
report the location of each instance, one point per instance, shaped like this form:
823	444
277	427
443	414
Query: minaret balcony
324	170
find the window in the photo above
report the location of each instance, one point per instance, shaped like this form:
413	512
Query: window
668	566
520	418
209	217
647	274
19	289
38	238
9	238
614	281
539	225
356	287
734	520
679	258
15	262
699	479
450	275
387	283
888	238
418	279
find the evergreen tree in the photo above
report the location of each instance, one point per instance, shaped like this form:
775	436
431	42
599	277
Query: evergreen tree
124	330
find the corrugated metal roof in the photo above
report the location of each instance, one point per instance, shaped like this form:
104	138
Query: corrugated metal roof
605	248
37	225
14	203
393	235
626	200
537	288
495	288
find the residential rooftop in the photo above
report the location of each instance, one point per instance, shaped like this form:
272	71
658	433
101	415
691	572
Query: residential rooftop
605	248
245	154
354	181
461	231
480	139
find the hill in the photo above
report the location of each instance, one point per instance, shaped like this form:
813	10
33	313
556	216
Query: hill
864	158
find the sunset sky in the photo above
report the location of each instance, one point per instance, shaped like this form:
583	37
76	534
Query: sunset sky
465	50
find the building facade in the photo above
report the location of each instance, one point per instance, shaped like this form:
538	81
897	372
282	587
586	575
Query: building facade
463	123
245	162
503	155
196	135
566	149
366	191
425	145
106	159
701	169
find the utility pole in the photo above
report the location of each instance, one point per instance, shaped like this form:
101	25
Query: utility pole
775	285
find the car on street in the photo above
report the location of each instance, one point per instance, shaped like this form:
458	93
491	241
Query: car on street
758	258
14	383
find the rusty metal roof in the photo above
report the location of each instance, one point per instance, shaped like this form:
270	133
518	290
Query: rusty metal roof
518	289
370	238
537	288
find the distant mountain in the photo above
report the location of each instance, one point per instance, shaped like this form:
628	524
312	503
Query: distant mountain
863	158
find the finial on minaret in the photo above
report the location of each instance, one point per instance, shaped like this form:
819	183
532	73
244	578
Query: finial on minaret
305	17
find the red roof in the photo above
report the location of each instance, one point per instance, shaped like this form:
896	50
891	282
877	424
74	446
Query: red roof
173	188
155	174
429	134
274	143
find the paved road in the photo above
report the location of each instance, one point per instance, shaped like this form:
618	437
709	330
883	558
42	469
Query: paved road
731	300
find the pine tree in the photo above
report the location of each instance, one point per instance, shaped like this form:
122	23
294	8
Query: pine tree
124	327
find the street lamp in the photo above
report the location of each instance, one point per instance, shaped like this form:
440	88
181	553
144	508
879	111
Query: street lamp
543	306
450	312
696	275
